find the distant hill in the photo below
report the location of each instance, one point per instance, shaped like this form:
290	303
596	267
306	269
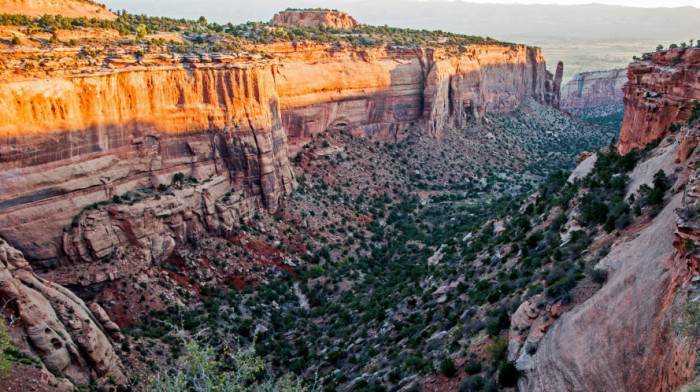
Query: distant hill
68	8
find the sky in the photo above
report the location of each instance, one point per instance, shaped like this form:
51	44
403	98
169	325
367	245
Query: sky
628	3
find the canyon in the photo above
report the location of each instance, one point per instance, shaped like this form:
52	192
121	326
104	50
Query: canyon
368	214
88	139
235	121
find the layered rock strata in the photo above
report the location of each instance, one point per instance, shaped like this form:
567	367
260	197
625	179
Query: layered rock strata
594	94
66	8
377	92
68	142
152	227
661	90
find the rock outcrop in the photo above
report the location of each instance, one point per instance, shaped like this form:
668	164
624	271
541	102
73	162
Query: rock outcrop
57	327
594	94
556	88
661	91
152	227
313	18
529	324
68	8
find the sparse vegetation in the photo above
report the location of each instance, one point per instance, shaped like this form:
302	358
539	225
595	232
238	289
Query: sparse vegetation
688	321
6	345
361	278
212	37
202	368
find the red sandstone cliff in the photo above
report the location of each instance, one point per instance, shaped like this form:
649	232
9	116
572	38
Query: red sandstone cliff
81	135
310	18
660	91
377	91
67	142
594	94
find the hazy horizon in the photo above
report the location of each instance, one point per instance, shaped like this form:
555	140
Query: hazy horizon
586	37
624	3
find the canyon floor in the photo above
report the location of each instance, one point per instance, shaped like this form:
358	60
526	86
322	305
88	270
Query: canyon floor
372	237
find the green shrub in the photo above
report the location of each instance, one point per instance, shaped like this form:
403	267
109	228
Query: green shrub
534	239
661	181
447	367
315	271
178	177
497	349
598	275
695	112
508	375
594	212
416	364
688	323
473	367
655	197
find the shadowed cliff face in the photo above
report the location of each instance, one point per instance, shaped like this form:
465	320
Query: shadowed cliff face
628	325
594	94
660	92
602	343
